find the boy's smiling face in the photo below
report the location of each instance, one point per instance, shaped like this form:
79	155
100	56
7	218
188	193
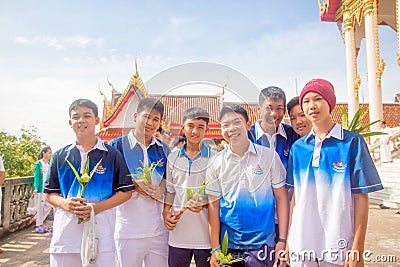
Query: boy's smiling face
194	130
315	107
83	121
233	127
272	111
147	122
301	125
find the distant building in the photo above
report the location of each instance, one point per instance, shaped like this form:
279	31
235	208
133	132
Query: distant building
117	117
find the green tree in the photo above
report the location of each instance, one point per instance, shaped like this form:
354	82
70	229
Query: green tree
20	152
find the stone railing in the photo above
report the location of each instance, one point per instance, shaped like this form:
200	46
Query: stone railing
395	139
16	194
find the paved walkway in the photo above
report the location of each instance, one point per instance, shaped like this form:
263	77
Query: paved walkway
29	249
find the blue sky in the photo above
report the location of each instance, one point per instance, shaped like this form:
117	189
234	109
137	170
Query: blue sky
53	52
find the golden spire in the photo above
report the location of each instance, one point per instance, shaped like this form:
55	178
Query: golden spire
101	93
136	75
137	81
109	83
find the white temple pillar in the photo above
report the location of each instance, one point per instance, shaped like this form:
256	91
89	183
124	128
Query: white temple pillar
373	57
351	65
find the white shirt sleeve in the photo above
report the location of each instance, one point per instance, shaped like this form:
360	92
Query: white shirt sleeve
278	172
213	183
170	181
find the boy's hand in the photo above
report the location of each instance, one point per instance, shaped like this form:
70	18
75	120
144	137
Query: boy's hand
79	207
280	250
154	191
170	220
213	259
195	204
141	187
287	255
71	204
353	261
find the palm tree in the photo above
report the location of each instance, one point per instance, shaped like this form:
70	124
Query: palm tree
355	124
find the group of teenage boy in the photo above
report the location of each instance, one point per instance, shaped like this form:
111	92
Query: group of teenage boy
276	187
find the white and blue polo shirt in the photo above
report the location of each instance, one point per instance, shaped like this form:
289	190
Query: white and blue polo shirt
282	140
183	173
141	216
325	174
247	203
111	176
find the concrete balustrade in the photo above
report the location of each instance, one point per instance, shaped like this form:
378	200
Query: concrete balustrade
16	194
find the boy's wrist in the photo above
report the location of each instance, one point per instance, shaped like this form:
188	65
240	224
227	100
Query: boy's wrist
215	249
283	240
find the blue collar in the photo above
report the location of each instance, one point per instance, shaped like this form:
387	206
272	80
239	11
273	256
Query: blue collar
204	151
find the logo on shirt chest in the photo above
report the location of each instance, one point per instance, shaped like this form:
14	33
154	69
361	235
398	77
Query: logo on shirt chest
339	166
160	162
257	170
286	152
100	169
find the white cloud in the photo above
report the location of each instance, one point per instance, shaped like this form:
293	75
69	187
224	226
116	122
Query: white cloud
21	40
78	41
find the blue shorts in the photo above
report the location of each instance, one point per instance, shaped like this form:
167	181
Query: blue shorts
181	257
262	257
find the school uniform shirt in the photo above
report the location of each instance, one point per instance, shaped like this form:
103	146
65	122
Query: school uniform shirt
141	216
282	140
325	174
191	231
110	176
247	202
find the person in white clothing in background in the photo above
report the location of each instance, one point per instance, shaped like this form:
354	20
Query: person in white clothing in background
43	208
384	141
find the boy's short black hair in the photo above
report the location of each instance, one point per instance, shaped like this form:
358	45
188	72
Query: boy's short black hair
149	104
178	139
82	102
216	141
273	92
196	113
160	130
292	103
233	109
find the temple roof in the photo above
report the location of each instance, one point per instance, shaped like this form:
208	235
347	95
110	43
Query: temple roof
328	9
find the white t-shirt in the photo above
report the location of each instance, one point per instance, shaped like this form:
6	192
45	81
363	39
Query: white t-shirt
61	243
191	230
140	216
45	170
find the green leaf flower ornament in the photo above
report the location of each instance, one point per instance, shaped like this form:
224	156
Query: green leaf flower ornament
84	178
146	172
